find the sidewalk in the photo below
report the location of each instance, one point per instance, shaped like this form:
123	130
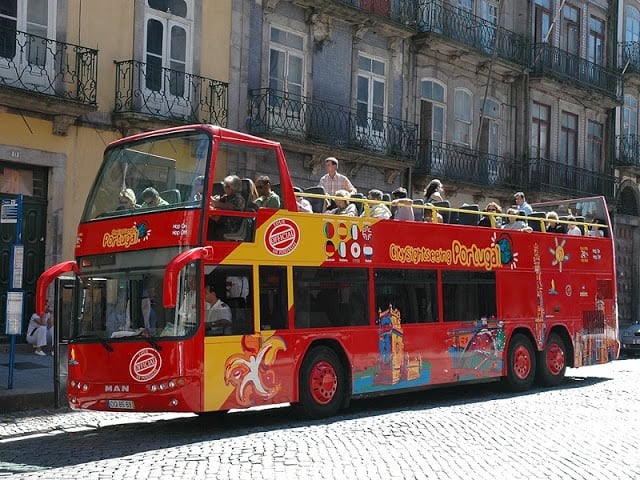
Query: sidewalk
32	380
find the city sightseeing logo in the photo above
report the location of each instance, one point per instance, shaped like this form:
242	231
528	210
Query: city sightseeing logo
126	237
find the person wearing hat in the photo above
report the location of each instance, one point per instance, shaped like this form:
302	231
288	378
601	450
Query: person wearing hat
38	334
152	198
333	181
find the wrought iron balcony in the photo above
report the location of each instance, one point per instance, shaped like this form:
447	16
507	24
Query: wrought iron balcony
297	117
402	12
473	31
452	162
552	61
628	150
629	57
170	94
555	177
40	65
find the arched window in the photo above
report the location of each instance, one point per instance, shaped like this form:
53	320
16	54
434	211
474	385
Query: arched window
632	24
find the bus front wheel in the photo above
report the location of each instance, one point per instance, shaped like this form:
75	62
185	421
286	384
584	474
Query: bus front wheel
521	364
552	362
321	383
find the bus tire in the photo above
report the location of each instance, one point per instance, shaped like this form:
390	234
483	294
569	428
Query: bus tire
521	364
552	362
321	383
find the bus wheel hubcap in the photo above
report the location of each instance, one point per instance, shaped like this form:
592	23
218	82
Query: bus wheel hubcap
323	382
555	359
521	362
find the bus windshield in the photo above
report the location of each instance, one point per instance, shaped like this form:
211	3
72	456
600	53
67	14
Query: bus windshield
119	298
155	173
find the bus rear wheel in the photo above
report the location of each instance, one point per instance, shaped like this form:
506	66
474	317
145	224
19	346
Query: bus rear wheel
321	383
552	363
521	364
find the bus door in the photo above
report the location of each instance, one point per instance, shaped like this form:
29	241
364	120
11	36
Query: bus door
63	315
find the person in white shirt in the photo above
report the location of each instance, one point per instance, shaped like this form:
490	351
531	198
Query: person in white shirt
572	228
376	210
217	313
37	333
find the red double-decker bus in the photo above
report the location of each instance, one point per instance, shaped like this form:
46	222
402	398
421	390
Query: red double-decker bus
187	305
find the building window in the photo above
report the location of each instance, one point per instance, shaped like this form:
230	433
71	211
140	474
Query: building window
596	40
286	62
593	159
370	101
462	118
432	111
632	24
630	116
568	138
571	29
540	127
543	20
167	46
26	25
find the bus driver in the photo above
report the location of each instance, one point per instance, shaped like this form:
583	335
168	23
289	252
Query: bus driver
218	313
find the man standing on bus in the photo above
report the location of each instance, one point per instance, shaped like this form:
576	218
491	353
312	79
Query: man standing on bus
333	181
218	313
522	204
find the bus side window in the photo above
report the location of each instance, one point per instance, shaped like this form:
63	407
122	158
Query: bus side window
273	298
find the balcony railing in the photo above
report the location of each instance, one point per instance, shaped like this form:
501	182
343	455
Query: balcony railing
548	60
297	117
629	57
628	150
40	65
402	12
170	94
555	177
452	162
468	29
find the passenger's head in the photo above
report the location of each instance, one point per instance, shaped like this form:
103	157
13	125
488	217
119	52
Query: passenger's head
399	192
552	217
434	190
331	164
150	196
493	207
519	198
263	185
342	194
127	199
232	184
374	194
512	211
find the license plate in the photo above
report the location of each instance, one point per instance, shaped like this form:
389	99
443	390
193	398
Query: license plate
124	404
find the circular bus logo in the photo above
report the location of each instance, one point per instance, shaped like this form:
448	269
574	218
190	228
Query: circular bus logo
145	365
282	237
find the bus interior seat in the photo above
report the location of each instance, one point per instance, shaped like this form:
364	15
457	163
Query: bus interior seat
536	225
218	188
418	213
317	204
249	204
359	205
386	197
171	196
470	218
446	215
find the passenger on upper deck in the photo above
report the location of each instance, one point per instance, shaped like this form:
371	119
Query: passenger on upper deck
596	230
127	200
434	191
485	221
268	198
376	210
304	205
552	225
404	208
232	198
152	198
333	181
198	188
572	228
516	223
522	204
343	207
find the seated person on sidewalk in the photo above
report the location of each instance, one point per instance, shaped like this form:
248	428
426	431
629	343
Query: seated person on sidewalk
39	334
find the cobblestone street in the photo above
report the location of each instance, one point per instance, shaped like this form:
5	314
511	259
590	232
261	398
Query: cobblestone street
585	429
